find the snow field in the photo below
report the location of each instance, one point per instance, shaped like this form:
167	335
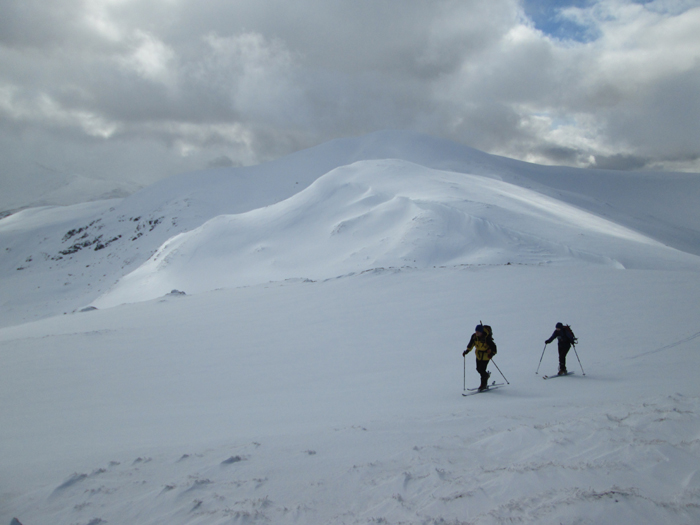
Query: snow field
342	401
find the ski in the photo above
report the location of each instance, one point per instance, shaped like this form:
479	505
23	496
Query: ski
493	383
472	391
557	375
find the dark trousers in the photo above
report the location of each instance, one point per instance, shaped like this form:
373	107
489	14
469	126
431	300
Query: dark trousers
563	350
481	368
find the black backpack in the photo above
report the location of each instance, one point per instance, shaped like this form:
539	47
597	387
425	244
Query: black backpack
570	334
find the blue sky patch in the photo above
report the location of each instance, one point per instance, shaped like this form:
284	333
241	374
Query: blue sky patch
546	16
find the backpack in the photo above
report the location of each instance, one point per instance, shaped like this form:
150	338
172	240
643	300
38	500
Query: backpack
489	337
570	334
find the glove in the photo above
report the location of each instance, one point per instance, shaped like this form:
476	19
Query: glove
465	353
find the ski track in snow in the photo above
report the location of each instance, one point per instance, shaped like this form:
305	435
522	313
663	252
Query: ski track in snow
669	346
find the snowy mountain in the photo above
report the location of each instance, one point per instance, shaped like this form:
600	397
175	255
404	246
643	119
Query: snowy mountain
79	253
390	213
312	371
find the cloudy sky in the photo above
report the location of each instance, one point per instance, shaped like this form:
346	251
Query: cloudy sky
127	92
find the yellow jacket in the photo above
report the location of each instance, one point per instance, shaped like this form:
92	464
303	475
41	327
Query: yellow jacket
484	347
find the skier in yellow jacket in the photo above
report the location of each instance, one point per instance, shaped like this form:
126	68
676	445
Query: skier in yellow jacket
485	349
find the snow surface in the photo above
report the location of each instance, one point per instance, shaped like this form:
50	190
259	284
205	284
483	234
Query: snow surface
312	372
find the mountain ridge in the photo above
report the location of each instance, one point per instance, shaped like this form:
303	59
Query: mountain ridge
93	246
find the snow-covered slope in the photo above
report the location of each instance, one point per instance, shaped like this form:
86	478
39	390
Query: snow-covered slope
339	402
51	188
82	258
390	213
313	371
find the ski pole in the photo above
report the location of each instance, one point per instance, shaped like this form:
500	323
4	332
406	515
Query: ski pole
579	361
464	381
538	366
494	364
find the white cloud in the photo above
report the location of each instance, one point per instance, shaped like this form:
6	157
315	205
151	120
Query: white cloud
97	18
42	110
150	57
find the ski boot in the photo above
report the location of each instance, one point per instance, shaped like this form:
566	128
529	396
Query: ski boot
485	382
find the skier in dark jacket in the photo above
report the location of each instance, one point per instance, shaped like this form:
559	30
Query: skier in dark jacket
564	344
485	349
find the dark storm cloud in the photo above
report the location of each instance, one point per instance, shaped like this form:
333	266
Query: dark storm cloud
34	23
620	162
672	105
132	91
